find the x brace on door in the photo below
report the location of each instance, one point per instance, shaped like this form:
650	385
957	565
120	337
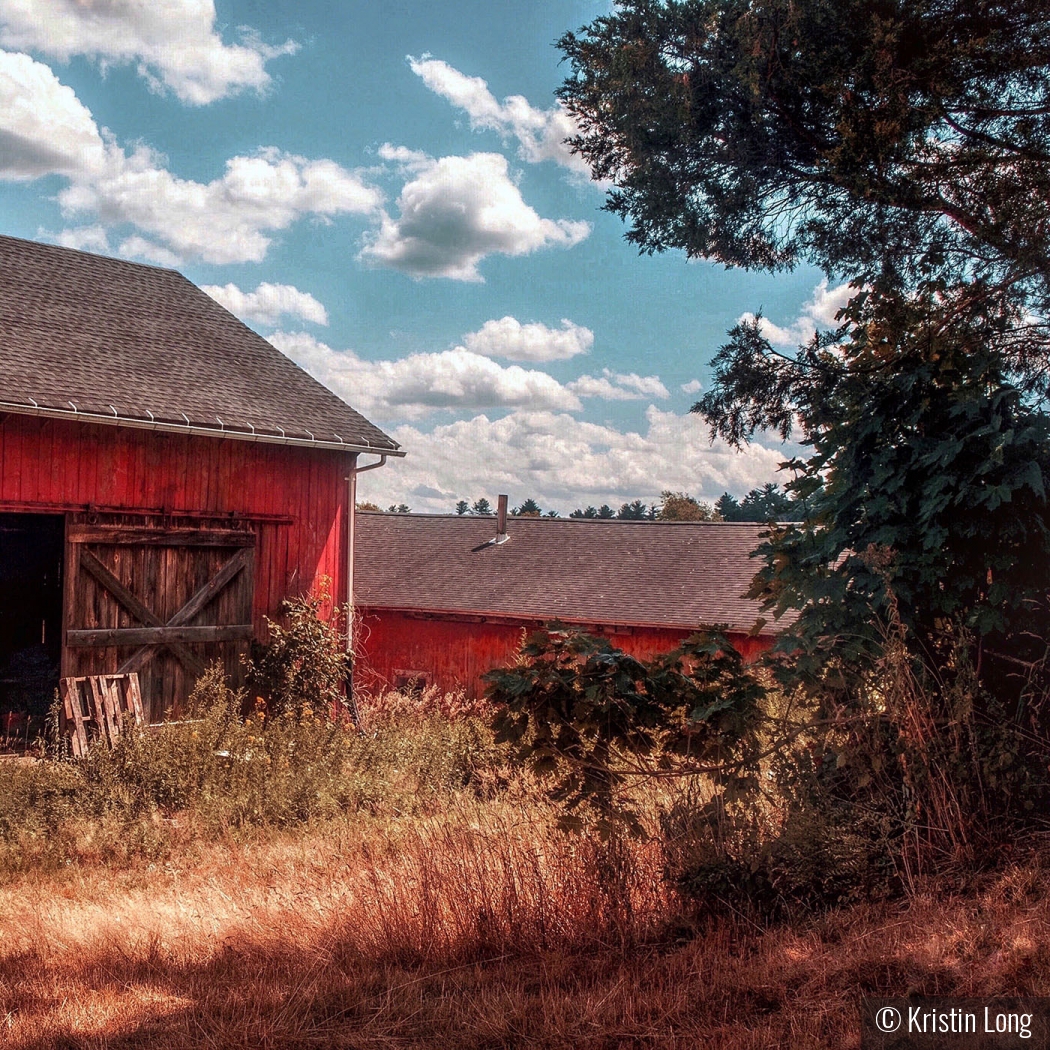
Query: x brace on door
173	634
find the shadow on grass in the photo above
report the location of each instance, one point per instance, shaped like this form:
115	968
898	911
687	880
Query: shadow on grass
731	987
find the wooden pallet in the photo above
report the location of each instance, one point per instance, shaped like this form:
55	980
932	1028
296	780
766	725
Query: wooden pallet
99	708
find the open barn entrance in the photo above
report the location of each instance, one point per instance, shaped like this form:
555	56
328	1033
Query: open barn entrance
31	548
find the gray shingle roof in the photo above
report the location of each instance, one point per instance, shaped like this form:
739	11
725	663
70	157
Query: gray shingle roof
674	574
84	334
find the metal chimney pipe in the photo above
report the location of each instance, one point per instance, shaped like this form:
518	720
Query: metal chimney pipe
501	519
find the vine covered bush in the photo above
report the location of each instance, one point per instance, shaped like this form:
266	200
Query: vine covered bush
304	663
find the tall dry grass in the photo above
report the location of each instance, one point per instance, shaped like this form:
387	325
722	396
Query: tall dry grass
429	938
440	907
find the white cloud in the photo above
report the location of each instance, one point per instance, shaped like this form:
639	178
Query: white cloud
408	160
453	380
44	130
615	386
538	448
694	386
541	133
564	462
136	247
173	44
83	238
268	303
227	220
44	127
421	384
817	314
457	210
510	339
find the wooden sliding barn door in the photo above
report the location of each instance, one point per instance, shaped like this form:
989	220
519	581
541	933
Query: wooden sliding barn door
165	602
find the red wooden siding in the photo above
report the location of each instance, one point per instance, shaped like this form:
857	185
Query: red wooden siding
295	499
454	653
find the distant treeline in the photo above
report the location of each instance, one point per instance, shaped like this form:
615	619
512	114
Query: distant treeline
768	503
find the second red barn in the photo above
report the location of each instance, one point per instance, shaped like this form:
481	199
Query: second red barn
441	599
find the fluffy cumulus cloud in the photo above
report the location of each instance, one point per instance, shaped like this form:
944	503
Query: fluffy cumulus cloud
453	380
44	129
456	380
617	386
817	314
455	211
564	462
268	303
173	44
694	386
539	447
83	238
230	219
510	339
136	247
421	384
540	133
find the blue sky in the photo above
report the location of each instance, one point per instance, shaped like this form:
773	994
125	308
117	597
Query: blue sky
382	190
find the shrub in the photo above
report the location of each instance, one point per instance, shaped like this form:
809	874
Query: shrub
596	719
303	665
790	800
774	856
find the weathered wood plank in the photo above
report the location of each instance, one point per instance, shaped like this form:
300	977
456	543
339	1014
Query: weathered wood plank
70	692
110	536
241	560
99	707
91	564
71	574
97	694
128	636
112	706
135	698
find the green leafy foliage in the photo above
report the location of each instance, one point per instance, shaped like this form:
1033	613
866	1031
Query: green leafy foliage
593	717
636	510
904	146
768	503
814	857
926	486
304	664
885	141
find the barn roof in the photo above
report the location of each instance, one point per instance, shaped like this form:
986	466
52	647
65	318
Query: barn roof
665	574
105	340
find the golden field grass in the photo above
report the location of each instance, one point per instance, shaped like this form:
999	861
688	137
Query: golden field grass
477	928
408	888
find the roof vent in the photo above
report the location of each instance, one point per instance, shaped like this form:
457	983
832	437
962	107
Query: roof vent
501	520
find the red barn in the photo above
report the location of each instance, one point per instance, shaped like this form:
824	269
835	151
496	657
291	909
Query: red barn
167	477
443	599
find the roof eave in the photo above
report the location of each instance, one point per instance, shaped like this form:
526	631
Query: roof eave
197	430
573	621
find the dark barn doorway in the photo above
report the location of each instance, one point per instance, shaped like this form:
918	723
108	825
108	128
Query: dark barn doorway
31	547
